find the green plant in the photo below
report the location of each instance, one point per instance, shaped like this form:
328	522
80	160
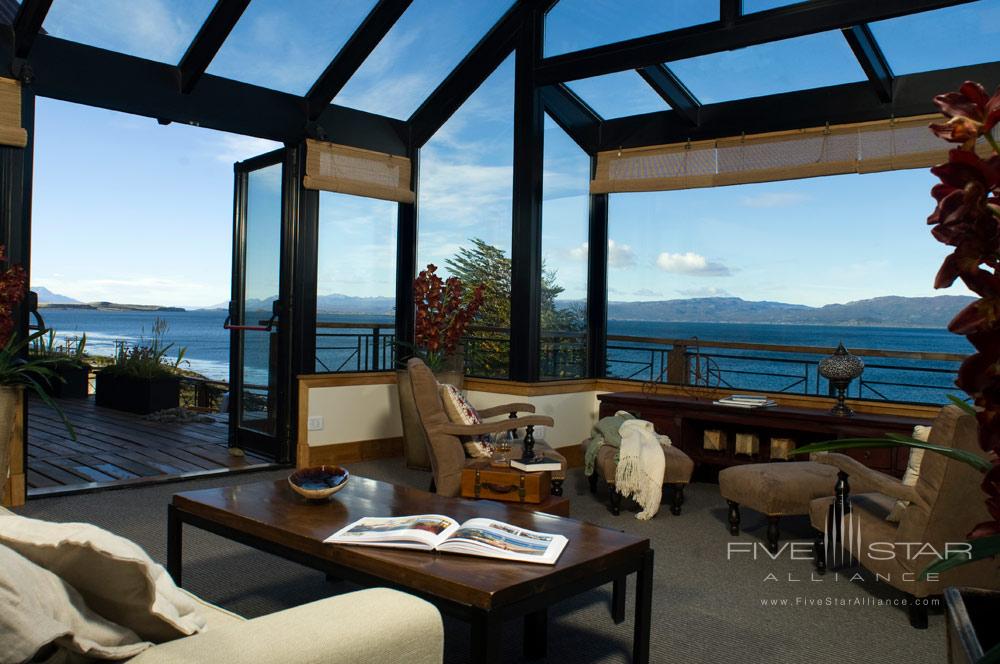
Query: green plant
32	373
146	359
70	350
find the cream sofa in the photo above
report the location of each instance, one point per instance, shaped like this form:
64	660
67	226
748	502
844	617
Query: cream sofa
374	625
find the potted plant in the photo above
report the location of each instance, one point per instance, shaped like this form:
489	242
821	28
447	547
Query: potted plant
68	363
141	379
443	311
17	372
967	217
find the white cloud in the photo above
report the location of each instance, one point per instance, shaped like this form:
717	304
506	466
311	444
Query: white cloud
690	263
646	292
773	200
231	148
619	255
704	292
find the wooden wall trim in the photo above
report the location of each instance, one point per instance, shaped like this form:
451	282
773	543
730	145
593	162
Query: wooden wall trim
348	379
341	453
14	491
529	389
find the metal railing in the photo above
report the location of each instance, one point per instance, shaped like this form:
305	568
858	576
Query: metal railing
905	376
344	347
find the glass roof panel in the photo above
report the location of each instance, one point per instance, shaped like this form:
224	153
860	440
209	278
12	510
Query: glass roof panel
961	35
618	95
576	24
149	29
751	6
812	61
286	44
418	53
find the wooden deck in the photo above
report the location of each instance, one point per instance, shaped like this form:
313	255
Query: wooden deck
114	449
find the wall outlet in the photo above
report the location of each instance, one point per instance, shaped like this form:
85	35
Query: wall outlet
315	423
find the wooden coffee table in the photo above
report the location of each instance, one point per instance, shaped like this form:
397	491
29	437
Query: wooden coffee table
484	592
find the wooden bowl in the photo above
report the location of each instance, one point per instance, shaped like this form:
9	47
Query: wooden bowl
319	482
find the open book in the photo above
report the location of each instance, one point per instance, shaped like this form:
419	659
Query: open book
434	532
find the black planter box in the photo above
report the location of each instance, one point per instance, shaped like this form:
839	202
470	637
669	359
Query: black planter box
137	395
71	382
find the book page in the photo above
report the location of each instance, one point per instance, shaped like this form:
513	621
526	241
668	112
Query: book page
421	531
496	539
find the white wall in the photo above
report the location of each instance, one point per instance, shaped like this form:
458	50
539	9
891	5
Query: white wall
355	413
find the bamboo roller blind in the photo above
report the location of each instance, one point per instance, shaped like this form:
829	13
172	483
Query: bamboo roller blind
11	132
347	170
858	148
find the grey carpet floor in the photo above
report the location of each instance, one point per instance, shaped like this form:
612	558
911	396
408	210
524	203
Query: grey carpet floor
707	606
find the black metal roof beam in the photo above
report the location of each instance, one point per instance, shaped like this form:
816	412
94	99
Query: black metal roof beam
672	90
871	59
28	23
796	20
361	44
93	76
730	10
470	73
573	115
837	104
208	41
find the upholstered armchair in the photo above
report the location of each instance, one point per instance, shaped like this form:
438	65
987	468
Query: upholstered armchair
444	437
945	503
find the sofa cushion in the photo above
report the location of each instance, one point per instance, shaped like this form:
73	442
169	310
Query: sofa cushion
115	576
42	615
460	411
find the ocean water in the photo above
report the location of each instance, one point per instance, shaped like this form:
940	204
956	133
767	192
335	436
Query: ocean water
207	344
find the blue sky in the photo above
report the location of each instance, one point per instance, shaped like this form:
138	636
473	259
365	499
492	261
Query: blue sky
128	210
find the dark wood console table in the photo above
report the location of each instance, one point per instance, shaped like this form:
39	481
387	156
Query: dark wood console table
686	419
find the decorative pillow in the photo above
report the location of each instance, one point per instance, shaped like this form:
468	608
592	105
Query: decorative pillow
912	472
115	577
43	614
461	411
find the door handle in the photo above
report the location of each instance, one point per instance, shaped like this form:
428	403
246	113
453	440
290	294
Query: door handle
267	327
32	302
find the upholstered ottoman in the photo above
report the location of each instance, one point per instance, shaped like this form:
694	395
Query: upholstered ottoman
775	490
677	474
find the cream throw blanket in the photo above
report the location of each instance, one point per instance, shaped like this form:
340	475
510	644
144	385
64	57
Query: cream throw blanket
641	465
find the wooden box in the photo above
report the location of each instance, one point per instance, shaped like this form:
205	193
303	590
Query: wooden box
747	443
506	484
715	440
781	448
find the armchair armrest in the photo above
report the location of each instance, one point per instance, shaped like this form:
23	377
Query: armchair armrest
880	482
492	427
506	409
376	625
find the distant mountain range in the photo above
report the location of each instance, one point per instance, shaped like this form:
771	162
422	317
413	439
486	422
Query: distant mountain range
889	311
49	300
334	303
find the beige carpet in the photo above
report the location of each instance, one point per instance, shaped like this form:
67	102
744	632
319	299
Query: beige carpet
705	608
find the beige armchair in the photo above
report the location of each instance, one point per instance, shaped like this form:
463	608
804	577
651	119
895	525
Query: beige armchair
447	455
944	505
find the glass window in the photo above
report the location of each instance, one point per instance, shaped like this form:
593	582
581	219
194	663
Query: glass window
961	35
355	283
577	24
781	264
286	44
793	64
619	95
465	212
418	53
148	29
565	222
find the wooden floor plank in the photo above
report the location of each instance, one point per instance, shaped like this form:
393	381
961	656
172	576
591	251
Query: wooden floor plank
113	446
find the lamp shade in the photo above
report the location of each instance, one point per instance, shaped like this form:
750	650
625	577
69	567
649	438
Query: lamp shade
841	366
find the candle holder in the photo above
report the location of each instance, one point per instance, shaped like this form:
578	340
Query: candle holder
840	369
